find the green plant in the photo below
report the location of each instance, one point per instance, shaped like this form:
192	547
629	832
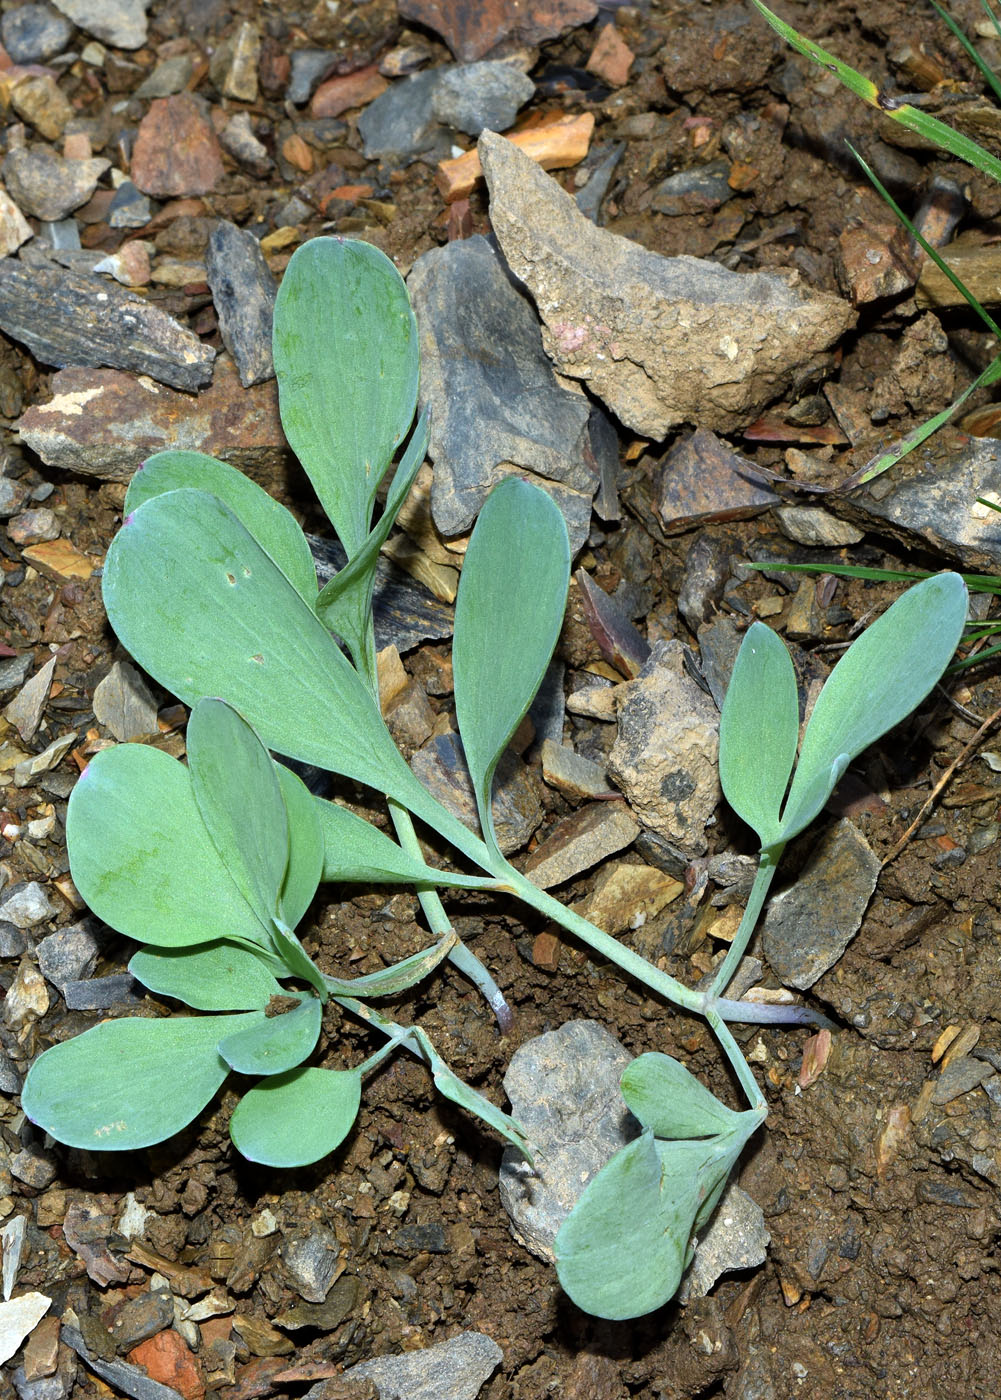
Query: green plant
210	585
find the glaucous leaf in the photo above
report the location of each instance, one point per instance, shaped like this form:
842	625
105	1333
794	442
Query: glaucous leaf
273	527
758	731
296	959
236	787
290	1120
214	977
671	1102
200	605
881	678
305	846
129	1083
508	614
141	858
276	1043
395	978
357	851
347	364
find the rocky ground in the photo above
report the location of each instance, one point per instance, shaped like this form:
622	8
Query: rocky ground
702	287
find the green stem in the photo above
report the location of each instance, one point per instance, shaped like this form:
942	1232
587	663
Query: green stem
769	859
735	1055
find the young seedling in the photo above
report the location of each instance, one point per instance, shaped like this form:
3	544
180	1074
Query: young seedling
211	586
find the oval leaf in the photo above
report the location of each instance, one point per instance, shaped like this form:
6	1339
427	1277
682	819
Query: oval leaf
357	851
141	858
273	527
758	731
219	977
296	1118
882	677
129	1083
508	614
277	1043
347	364
671	1102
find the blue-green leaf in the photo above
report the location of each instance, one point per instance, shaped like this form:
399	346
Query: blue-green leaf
214	977
357	851
346	359
671	1102
508	614
129	1083
305	847
296	1118
388	981
276	1043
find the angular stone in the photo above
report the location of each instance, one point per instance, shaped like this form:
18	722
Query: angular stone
86	1228
474	28
339	1303
400	125
142	1317
25	904
129	208
123	703
497	407
808	926
176	151
441	767
38	99
25	711
243	291
312	1262
103	423
874	261
69	954
704	482
30	769
233	67
32	526
169	76
811	525
41	1355
44	184
736	1239
347	90
308	67
579	841
237	137
102	993
665	754
611	58
34	33
477	95
35	1167
261	1338
168	1360
660	340
564	1090
454	1370
120	23
625	896
66	318
694	191
17	1317
572	774
58	560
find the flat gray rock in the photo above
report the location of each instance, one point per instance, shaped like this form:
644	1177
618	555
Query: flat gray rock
736	1239
472	96
243	291
123	703
660	340
400	124
808	926
454	1370
441	767
67	318
69	954
497	407
120	23
26	904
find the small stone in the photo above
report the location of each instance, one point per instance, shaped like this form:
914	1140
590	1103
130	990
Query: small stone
262	1339
440	766
665	754
41	1355
410	718
477	95
312	1262
176	152
123	703
808	926
142	1317
30	769
17	1318
704	482
736	1239
810	525
13	670
102	993
59	560
14	227
308	68
707	571
86	1228
340	1303
25	904
243	291
129	208
611	58
171	75
44	184
960	1077
178	272
400	125
237	137
69	954
168	1359
130	265
119	23
13	495
38	99
564	1090
696	191
804	620
875	261
454	1370
12	941
473	30
573	775
348	90
32	526
233	68
579	841
35	1167
34	34
625	896
25	711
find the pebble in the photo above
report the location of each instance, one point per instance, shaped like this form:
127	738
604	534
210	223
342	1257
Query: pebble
473	30
34	33
12	941
702	481
41	182
25	711
142	1317
237	137
400	125
665	340
309	68
805	618
664	758
626	896
176	152
30	769
69	954
119	23
123	703
58	560
811	525
489	411
572	774
477	95
808	926
339	1304
707	572
13	670
611	58
68	318
312	1262
31	526
342	93
441	767
13	495
457	1369
736	1239
960	1077
102	993
38	99
168	1360
695	191
579	841
129	265
24	905
233	67
564	1090
243	291
35	1167
14	227
41	1355
170	75
10	1080
129	208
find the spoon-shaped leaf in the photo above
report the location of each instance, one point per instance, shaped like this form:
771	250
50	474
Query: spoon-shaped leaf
297	961
129	1083
216	977
166	883
347	363
200	605
881	678
236	787
276	1043
671	1102
758	731
305	847
508	614
296	1118
357	851
273	527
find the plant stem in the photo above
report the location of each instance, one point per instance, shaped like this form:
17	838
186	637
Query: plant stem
735	1055
767	864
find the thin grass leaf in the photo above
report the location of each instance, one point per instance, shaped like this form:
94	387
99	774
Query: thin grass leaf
293	1119
217	977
